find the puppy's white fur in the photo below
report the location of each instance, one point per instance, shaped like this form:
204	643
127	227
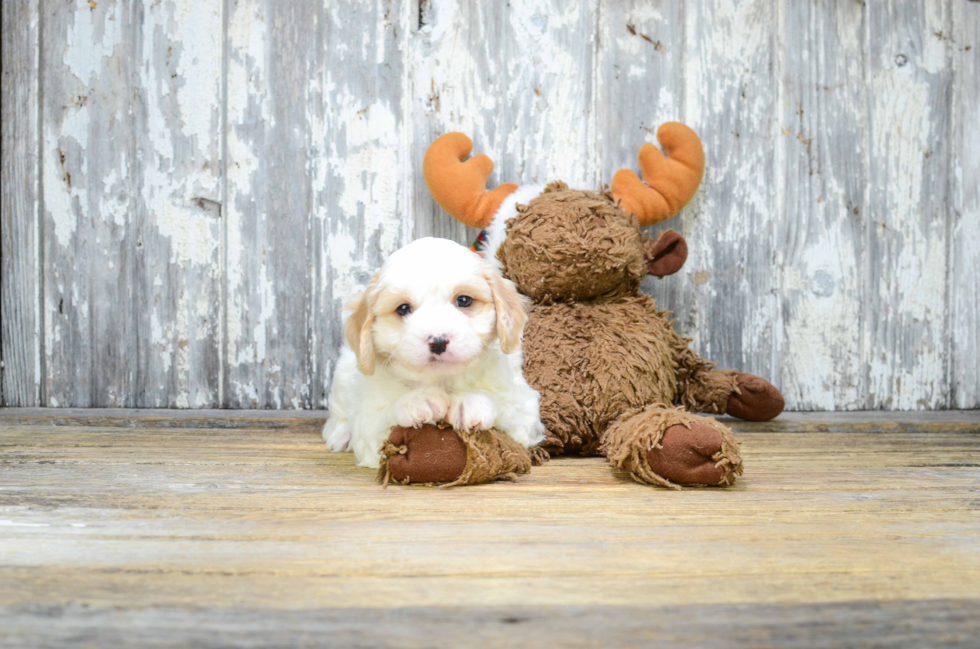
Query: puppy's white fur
388	374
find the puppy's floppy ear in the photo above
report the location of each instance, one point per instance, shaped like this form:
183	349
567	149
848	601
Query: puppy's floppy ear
511	308
359	327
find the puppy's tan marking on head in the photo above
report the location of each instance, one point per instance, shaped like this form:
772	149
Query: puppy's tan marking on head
479	291
387	300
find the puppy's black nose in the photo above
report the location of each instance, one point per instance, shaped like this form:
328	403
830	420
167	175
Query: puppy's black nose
438	345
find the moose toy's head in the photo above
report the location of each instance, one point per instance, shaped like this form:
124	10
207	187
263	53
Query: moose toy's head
555	243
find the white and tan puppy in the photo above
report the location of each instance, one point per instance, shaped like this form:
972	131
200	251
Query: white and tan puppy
435	337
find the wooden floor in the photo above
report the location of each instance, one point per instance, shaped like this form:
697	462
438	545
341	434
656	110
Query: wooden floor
202	529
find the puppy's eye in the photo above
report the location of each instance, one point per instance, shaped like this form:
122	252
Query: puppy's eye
464	301
403	310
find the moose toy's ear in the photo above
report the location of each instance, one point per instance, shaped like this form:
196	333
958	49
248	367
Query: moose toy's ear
665	255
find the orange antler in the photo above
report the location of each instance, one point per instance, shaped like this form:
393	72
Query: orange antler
461	187
669	182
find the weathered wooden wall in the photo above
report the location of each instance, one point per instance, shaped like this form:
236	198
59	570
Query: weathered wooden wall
192	189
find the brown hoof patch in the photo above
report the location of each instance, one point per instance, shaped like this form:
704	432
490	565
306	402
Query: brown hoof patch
685	455
756	400
431	454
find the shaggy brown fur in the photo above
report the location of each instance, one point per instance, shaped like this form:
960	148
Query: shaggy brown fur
573	245
608	363
593	361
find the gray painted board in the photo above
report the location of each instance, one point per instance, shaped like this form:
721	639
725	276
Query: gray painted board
317	188
641	62
820	243
192	191
90	172
908	86
20	297
964	214
179	144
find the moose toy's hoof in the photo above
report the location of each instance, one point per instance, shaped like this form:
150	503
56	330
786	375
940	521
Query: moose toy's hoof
756	400
687	456
670	447
425	455
441	455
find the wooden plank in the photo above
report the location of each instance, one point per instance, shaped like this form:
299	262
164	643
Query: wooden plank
819	225
360	163
964	237
641	58
91	202
867	623
178	235
905	307
20	298
150	417
268	263
729	96
132	169
518	79
318	110
288	473
925	422
315	194
457	85
112	534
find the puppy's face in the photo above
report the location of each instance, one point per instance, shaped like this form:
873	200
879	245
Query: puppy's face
433	308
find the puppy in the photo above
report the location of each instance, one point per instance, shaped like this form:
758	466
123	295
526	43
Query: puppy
435	337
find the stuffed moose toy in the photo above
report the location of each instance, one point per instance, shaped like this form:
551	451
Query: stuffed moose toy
615	378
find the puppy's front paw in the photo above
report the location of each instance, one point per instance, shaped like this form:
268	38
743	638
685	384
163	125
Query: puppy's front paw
528	436
471	411
337	436
418	408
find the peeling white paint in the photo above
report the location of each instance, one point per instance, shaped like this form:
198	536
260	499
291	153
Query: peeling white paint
59	198
842	317
964	287
92	39
907	353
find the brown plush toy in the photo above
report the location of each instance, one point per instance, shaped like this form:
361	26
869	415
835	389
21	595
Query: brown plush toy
615	378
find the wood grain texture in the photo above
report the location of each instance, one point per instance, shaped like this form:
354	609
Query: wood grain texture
179	231
457	85
270	53
359	162
908	79
964	215
730	52
218	179
946	421
641	62
518	79
316	194
20	297
112	533
91	173
819	234
943	624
